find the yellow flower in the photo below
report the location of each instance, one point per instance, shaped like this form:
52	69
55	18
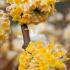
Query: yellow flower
2	35
60	65
36	57
16	14
16	11
60	53
24	1
31	47
50	45
4	26
25	19
1	14
9	1
17	1
40	47
38	10
24	55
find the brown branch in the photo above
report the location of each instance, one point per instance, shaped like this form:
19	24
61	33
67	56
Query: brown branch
26	37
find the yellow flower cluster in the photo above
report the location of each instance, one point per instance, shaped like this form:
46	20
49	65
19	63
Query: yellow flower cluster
39	57
30	11
4	26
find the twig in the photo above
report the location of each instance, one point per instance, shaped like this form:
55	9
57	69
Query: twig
26	37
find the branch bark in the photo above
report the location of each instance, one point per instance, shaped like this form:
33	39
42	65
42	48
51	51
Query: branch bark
26	37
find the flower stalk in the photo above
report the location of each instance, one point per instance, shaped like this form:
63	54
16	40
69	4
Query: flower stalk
25	33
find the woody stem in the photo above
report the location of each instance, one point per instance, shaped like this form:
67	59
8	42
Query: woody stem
26	37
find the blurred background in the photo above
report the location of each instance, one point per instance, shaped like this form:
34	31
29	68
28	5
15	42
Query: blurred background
57	27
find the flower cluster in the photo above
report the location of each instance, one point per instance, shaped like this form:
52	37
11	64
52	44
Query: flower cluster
30	11
37	57
4	25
